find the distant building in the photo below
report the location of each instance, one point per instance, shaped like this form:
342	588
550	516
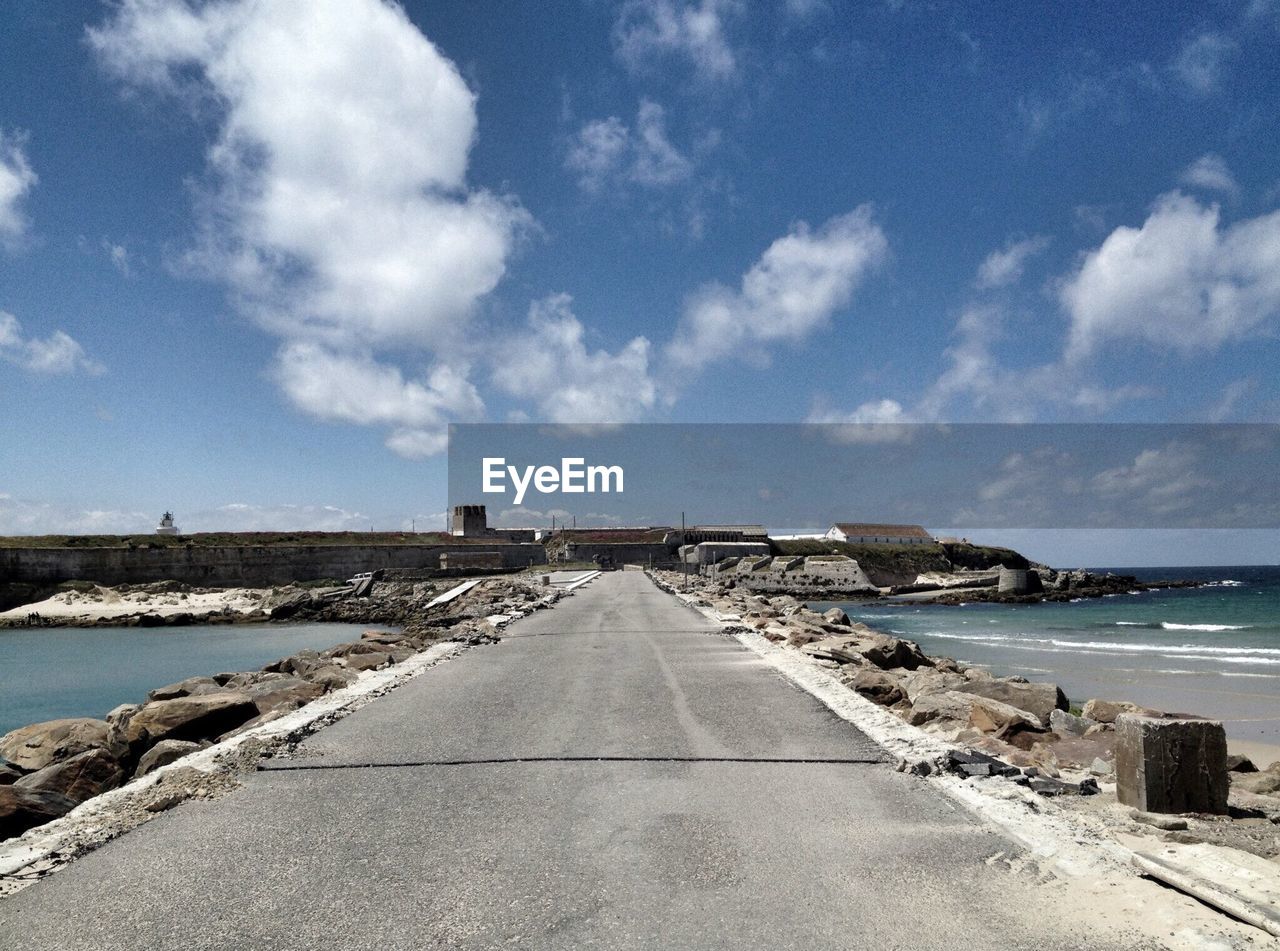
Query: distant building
867	533
166	526
697	534
469	521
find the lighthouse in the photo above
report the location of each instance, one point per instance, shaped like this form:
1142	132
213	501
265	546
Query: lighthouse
166	526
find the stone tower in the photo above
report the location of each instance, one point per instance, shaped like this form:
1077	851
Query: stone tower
469	521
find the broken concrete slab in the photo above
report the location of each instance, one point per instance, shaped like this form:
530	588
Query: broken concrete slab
1171	765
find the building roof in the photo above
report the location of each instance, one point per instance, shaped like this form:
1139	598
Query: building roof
744	529
867	528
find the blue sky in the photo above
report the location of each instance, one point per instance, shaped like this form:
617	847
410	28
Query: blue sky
254	257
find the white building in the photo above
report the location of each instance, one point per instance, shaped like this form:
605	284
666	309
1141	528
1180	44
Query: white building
166	526
867	533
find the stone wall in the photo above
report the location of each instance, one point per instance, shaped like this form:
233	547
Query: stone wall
232	565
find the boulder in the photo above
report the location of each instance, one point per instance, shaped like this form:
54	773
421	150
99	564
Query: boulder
1106	711
1064	723
1171	765
164	753
36	746
291	692
332	677
1040	700
9	775
946	705
355	647
992	716
1264	783
836	616
927	680
876	686
192	686
189	718
365	661
1240	764
78	778
890	652
23	809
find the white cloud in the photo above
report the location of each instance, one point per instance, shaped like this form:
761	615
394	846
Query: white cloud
245	517
551	365
338	210
355	388
607	151
16	179
19	516
795	288
1210	172
599	151
1200	61
1004	267
1180	280
54	355
1161	479
119	257
651	30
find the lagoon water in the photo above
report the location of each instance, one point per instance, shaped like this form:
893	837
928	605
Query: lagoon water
52	672
1212	650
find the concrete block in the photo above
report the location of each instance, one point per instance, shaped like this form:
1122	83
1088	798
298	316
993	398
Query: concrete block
1171	765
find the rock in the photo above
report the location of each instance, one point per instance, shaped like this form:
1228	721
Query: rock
355	647
1165	823
1040	699
9	775
79	777
1063	723
332	677
39	745
947	705
1264	783
1106	711
926	680
185	688
1102	767
876	686
189	718
22	809
1240	764
890	652
992	716
164	753
836	616
1021	733
1171	765
365	661
291	692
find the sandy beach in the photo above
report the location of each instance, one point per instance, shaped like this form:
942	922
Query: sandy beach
109	603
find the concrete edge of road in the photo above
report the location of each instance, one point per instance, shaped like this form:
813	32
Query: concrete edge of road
1066	844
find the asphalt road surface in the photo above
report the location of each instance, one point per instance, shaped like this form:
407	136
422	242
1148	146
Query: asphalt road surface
613	774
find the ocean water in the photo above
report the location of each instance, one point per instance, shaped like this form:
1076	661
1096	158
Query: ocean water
1212	650
52	672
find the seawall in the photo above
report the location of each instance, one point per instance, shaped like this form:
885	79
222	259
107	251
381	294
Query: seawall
234	565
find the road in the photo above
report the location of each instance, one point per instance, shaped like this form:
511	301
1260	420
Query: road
613	774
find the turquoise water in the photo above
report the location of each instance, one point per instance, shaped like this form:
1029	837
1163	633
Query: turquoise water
1213	650
52	672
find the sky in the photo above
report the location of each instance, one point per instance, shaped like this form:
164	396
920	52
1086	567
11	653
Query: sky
256	256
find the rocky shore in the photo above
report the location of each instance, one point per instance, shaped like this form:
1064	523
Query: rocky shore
1026	733
47	769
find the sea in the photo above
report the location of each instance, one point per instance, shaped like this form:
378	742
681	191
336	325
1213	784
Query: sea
51	672
1212	650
